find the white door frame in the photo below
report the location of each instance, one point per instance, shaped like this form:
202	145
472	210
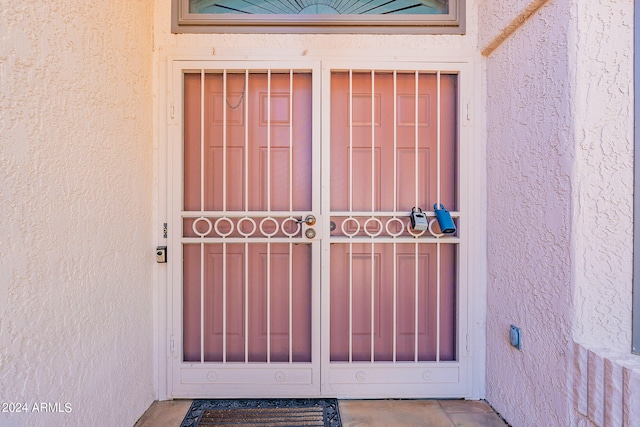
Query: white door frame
471	169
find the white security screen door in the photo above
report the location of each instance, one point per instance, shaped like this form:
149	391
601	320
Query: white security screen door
393	291
248	280
296	272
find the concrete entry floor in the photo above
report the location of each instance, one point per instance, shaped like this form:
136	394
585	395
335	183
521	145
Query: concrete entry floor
365	413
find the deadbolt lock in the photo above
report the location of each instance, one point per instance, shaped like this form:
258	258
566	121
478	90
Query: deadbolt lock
310	233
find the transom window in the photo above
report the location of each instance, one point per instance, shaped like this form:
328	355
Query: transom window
319	16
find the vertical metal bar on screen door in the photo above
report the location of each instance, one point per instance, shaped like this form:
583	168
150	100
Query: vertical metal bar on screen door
350	211
438	201
290	302
416	142
373	145
202	116
268	140
290	141
224	209
438	301
224	301
246	209
350	141
395	209
268	302
269	210
246	302
290	213
224	141
373	208
246	142
416	248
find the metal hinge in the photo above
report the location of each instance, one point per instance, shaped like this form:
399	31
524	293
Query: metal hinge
172	346
172	111
165	230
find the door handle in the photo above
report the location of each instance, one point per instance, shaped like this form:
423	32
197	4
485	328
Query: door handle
309	220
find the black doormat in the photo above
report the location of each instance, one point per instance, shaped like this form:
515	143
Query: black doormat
263	412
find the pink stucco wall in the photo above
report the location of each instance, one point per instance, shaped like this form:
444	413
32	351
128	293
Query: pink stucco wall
529	157
76	328
603	204
560	192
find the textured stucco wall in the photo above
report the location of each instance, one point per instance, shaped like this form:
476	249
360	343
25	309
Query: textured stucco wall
560	158
605	391
603	197
494	16
529	157
75	199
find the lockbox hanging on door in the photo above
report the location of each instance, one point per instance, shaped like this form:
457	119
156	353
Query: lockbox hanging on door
445	221
418	220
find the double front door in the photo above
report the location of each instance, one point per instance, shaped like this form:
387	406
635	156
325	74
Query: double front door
297	271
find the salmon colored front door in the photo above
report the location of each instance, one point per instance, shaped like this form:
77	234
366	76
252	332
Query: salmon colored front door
300	273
